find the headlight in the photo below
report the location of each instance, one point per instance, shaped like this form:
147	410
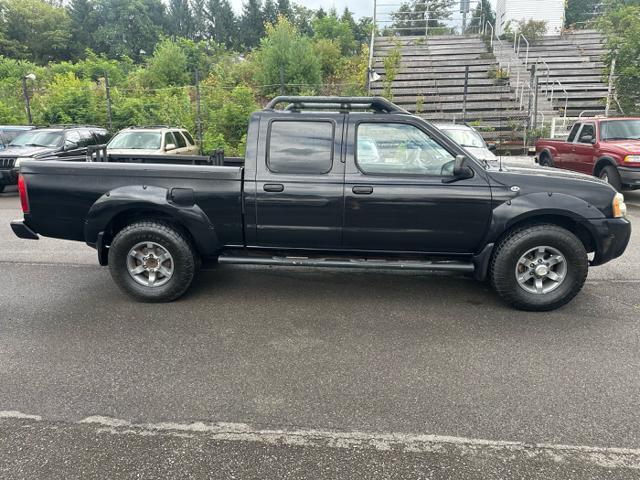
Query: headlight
619	207
20	160
632	159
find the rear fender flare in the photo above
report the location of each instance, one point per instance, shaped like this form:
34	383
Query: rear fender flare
153	199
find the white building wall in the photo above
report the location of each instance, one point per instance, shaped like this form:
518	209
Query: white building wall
551	11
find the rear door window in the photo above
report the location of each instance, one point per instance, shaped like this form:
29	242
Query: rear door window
188	136
300	147
180	139
168	138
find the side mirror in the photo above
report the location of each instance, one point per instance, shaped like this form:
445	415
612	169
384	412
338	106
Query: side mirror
587	139
68	145
169	146
492	147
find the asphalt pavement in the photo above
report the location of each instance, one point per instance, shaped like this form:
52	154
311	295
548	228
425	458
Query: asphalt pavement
300	373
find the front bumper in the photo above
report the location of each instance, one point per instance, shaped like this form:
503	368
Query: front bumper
630	176
23	231
9	176
612	237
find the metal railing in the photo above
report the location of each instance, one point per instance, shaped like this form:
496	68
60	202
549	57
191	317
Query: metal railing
526	60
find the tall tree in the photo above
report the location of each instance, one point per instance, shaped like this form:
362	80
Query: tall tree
481	14
180	18
270	12
34	30
82	14
222	23
251	24
579	11
199	29
284	9
332	28
411	18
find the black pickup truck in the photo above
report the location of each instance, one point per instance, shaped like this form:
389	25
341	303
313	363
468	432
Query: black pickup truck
337	182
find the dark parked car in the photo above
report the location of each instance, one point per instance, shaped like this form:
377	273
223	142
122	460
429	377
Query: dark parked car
9	132
46	144
307	196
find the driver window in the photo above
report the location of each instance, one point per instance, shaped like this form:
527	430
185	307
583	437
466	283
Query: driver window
401	149
587	129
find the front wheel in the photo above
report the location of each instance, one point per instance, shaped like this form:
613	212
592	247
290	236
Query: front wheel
539	268
610	175
152	261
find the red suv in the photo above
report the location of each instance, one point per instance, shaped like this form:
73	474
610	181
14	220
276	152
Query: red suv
608	148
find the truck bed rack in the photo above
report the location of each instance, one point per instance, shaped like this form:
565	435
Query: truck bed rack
346	104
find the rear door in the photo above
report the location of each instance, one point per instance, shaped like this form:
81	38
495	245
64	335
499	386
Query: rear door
181	144
397	191
299	181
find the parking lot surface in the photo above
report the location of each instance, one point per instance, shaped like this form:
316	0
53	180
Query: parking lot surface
300	373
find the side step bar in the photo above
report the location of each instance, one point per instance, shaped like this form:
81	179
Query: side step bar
428	265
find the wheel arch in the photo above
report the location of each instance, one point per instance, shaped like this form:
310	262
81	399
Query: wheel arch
601	163
123	206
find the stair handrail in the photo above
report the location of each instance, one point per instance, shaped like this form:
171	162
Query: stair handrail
546	83
566	95
526	61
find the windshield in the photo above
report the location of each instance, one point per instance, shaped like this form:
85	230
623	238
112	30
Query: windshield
465	138
620	130
34	138
136	141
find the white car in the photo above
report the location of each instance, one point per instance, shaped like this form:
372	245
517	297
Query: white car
152	141
469	139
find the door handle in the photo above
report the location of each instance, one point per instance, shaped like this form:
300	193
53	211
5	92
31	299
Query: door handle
273	187
362	190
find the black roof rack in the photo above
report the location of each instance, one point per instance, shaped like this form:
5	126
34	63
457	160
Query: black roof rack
377	104
70	125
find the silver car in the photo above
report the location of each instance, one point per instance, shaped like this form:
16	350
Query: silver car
469	138
152	141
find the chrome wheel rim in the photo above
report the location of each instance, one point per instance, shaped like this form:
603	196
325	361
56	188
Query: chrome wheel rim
150	264
541	270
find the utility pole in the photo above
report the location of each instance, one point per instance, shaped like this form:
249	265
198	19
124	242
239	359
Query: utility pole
25	92
108	94
612	72
198	118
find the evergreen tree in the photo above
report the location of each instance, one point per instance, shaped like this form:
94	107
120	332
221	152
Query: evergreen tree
199	19
270	12
251	24
82	14
579	11
411	18
483	13
284	9
222	23
180	19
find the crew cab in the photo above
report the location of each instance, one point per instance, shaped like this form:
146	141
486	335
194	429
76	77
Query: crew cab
608	148
64	142
352	182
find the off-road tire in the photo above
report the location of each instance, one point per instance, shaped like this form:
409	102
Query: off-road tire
510	249
546	160
174	241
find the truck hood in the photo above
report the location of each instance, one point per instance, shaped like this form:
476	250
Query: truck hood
134	151
592	190
624	146
26	151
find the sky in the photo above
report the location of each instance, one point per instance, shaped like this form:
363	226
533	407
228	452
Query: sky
361	8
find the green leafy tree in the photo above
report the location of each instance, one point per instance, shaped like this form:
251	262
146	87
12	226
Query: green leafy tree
621	26
222	23
34	30
411	18
286	56
251	24
482	14
579	11
284	9
270	11
180	18
199	30
82	14
302	18
168	66
333	28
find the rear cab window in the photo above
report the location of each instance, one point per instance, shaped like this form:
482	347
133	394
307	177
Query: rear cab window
300	147
181	143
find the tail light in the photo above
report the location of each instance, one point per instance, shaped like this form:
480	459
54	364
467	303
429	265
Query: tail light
24	198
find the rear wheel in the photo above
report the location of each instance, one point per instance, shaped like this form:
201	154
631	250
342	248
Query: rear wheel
152	261
545	160
610	175
539	268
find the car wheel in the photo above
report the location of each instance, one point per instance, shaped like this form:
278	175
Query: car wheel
152	261
539	268
546	160
610	175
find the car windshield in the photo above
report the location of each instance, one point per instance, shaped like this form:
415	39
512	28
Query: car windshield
35	138
620	130
136	141
465	138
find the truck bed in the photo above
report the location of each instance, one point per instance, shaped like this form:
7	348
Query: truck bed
61	194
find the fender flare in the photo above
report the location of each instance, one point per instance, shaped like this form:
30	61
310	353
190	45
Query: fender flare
603	161
154	199
540	204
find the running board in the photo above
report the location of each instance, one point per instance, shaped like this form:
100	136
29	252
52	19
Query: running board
428	265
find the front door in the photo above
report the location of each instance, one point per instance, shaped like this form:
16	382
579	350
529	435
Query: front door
584	150
299	182
398	196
